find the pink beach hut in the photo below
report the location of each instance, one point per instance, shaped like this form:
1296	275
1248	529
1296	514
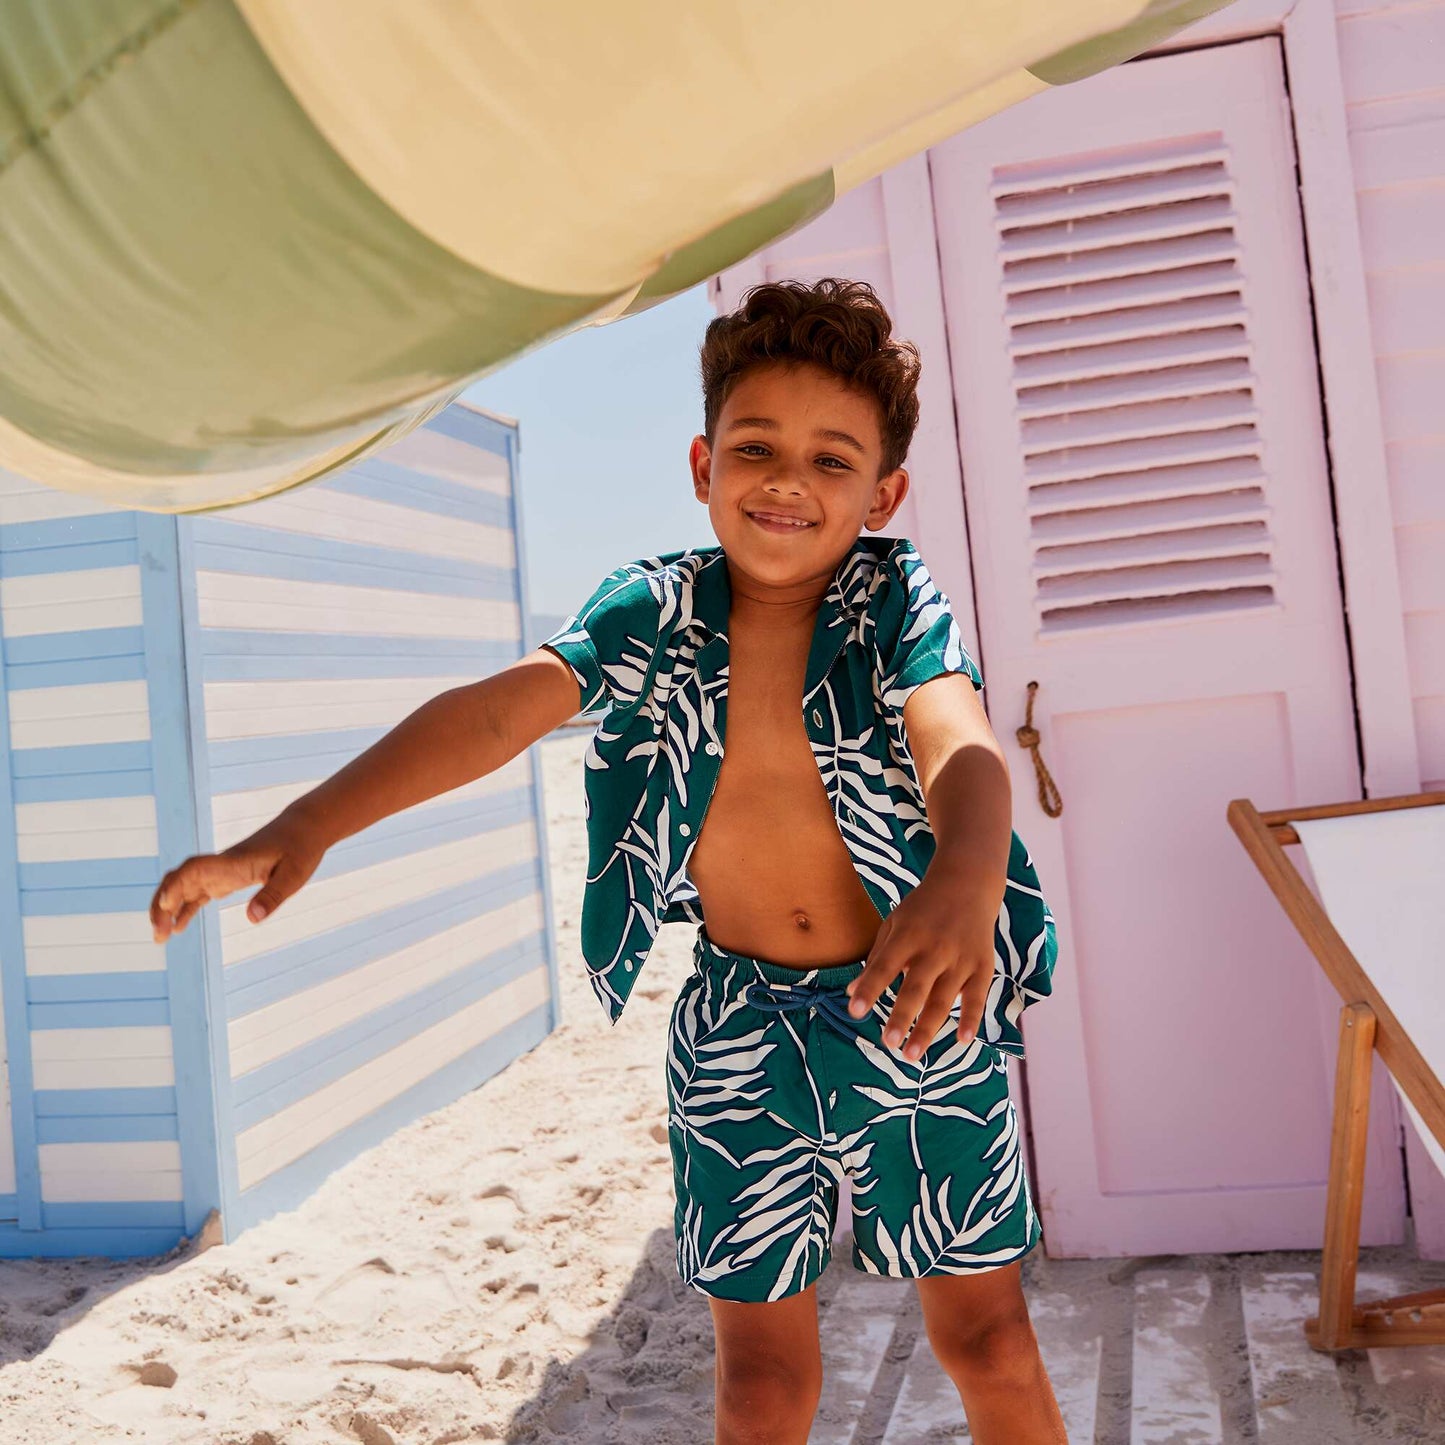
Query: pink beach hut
1183	330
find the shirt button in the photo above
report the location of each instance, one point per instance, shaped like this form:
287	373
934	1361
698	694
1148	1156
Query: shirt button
817	718
711	750
684	829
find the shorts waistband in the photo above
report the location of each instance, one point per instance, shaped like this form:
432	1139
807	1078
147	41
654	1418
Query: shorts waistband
838	975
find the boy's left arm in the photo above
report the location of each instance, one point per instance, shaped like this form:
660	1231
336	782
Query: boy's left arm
940	937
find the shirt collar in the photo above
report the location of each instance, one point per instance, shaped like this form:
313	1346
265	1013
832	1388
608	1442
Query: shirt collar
847	594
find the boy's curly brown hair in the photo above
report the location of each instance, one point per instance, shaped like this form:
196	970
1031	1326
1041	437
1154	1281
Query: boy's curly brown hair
837	324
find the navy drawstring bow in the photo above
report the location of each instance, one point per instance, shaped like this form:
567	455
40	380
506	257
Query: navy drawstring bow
831	1003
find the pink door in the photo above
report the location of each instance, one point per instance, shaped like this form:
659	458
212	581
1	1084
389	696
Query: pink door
1150	530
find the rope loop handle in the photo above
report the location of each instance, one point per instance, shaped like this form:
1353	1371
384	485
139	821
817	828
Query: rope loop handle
1028	735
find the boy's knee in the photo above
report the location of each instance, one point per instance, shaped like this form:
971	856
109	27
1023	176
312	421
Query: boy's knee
1001	1347
773	1395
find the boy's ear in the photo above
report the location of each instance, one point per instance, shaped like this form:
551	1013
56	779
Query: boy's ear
699	457
888	496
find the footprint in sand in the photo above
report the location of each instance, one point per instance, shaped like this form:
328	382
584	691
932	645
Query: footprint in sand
73	1296
390	1311
369	1431
501	1191
495	1213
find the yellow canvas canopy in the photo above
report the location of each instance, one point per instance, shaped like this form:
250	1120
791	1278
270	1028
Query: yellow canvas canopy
243	242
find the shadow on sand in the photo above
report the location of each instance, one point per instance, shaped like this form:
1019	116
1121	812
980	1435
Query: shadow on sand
646	1374
41	1297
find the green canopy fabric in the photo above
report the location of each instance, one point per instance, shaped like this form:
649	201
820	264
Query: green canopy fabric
243	242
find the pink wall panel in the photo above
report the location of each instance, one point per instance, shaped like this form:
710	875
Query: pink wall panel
1176	1055
1417	480
1391	49
1251	1012
1392	61
1430	721
1412	393
1392	58
856	215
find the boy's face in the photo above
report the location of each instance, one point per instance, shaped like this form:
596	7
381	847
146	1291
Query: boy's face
794	442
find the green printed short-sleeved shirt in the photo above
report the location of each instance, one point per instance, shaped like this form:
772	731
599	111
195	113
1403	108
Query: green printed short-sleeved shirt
649	650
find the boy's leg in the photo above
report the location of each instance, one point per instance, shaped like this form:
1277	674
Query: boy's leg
979	1328
769	1369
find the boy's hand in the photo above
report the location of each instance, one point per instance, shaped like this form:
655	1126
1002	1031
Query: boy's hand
941	939
282	855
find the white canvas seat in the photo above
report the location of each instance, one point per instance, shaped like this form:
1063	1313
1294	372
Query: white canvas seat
1379	866
1381	875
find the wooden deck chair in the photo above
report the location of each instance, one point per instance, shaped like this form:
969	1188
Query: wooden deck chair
1380	869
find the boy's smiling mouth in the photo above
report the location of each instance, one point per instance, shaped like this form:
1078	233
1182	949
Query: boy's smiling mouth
780	521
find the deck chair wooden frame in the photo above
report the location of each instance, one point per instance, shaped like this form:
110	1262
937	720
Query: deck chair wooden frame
1366	1025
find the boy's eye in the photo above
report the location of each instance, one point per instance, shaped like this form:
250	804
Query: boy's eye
746	450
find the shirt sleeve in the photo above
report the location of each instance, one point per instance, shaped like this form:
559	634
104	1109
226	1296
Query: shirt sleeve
606	641
917	634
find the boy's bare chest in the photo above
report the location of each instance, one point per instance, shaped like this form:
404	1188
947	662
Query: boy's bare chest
769	863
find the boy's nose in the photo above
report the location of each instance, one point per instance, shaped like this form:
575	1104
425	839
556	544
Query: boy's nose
787	482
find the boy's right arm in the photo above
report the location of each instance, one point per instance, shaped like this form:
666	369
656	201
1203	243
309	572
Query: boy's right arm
451	739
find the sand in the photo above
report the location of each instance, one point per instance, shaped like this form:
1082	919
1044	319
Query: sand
502	1270
498	1270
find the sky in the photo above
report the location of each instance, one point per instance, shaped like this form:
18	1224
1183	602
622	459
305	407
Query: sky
606	416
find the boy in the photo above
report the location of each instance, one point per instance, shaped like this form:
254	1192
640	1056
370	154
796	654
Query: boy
869	927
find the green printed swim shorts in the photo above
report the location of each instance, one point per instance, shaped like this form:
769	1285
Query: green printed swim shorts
776	1094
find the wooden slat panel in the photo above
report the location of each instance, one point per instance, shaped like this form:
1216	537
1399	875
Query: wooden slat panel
73	601
453	460
287	1135
235	815
84	828
855	1332
315	512
145	1170
77	943
269	709
1297	1390
327	903
1176	1402
234	599
81	714
268	1033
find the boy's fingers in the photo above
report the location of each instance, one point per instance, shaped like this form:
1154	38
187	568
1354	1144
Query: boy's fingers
868	987
878	972
934	1014
975	999
180	896
189	911
157	901
284	880
917	985
200	879
206	876
169	898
